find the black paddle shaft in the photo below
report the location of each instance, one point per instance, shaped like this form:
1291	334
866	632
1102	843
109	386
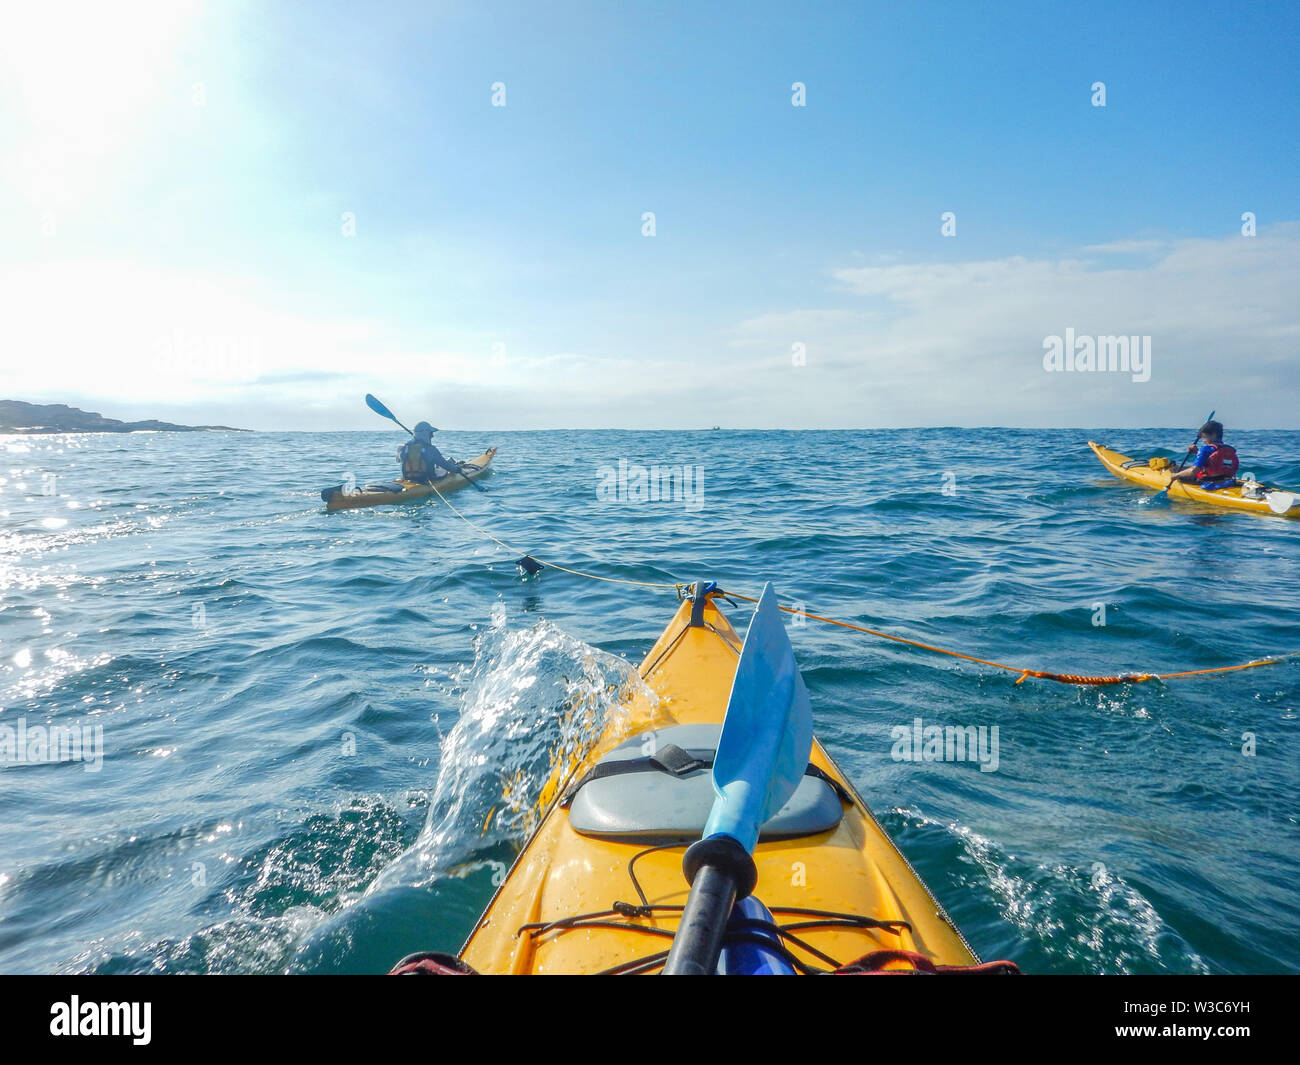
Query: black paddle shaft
720	871
1188	452
698	941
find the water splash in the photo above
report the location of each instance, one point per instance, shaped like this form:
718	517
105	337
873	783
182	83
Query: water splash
1088	917
533	703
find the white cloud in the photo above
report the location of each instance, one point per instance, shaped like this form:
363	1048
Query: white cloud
967	337
129	333
1127	247
905	344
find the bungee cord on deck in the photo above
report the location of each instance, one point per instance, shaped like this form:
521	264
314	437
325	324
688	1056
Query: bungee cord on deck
680	587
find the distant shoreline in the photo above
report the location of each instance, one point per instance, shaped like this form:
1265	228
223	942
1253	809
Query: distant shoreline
48	419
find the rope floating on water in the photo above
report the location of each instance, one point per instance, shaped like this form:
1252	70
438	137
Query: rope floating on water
1062	678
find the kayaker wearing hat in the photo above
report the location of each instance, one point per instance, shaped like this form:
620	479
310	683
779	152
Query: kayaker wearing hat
421	461
1216	463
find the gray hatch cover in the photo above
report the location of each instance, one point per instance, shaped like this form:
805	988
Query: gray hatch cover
656	807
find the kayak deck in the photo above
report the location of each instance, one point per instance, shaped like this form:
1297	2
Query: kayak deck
338	499
853	869
1144	475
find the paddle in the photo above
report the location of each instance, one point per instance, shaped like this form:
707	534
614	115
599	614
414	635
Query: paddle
761	757
1165	491
384	412
1280	502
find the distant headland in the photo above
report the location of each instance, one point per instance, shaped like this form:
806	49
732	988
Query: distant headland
19	417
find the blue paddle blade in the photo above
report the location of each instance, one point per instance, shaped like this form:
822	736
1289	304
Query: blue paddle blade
767	734
379	408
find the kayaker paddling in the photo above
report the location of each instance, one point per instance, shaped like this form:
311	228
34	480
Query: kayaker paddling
422	462
1216	463
425	471
1212	477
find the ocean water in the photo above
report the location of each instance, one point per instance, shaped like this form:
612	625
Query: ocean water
322	734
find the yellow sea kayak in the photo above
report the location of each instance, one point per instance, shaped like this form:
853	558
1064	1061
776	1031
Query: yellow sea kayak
1140	472
599	887
378	495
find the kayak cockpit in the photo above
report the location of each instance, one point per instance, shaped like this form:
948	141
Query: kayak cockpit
656	788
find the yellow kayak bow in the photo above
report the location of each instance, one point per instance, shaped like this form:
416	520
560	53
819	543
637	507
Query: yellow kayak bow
599	887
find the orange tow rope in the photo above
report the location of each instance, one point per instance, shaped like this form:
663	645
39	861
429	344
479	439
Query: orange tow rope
1063	678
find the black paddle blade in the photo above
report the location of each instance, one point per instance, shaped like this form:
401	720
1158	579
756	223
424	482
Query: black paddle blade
529	566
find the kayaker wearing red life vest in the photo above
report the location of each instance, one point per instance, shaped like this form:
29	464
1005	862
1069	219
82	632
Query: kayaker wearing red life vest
1216	463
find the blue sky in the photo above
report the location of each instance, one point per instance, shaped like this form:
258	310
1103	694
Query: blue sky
175	179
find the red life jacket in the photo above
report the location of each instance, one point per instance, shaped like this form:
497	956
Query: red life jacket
1222	462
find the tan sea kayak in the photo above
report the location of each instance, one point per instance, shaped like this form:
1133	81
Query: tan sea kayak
378	495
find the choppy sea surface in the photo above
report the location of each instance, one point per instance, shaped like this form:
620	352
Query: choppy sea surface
298	722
